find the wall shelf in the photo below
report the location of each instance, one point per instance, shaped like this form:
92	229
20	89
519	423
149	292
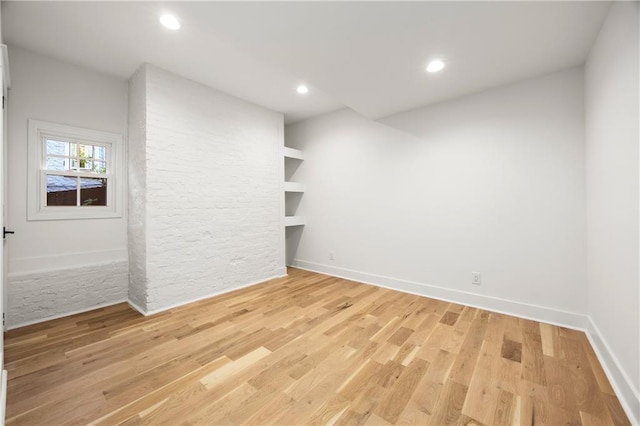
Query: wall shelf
293	194
294	220
293	187
293	153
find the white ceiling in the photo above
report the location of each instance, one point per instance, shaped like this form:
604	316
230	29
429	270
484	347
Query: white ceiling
369	56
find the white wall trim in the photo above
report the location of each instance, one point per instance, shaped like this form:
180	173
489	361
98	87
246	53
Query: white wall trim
40	264
510	307
628	395
3	396
136	308
65	314
208	296
4	63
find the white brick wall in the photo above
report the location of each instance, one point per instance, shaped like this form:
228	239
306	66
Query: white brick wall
137	190
211	193
39	296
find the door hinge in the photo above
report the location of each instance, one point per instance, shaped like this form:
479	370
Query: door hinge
2	101
3	319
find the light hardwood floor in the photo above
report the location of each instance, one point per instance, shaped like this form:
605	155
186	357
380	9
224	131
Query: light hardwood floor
306	349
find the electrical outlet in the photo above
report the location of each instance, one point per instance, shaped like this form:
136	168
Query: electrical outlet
476	278
331	256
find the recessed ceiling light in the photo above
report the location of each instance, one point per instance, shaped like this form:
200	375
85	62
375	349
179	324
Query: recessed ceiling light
170	21
435	66
302	89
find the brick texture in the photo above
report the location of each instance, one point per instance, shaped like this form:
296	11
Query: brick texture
36	297
137	167
206	193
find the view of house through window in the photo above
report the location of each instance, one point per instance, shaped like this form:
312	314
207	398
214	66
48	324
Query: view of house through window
75	174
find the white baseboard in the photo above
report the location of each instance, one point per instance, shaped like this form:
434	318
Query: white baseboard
136	307
628	395
503	306
3	396
66	314
147	313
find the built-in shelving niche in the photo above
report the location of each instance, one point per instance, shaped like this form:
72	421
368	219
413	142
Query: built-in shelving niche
293	192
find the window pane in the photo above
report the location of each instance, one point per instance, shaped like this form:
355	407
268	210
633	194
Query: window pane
93	192
61	190
57	147
100	167
85	164
85	151
99	152
56	163
81	164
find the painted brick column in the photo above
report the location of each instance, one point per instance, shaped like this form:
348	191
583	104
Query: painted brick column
205	208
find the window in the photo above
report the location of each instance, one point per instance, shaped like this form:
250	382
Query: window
73	172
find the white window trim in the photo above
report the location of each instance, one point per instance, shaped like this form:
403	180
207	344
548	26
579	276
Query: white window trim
36	193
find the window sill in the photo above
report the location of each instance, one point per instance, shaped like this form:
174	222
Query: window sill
73	213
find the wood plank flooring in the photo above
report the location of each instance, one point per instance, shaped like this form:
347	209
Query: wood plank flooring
306	349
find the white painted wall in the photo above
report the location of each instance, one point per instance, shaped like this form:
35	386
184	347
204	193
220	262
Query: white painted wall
46	89
492	183
212	185
612	169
